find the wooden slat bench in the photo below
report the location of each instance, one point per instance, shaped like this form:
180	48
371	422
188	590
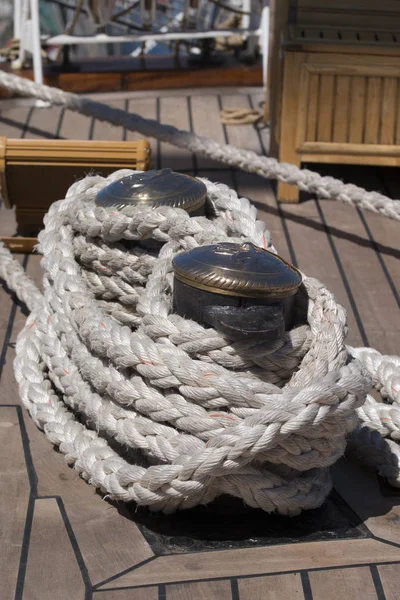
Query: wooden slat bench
336	85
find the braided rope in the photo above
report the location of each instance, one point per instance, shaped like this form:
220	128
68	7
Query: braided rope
377	442
164	411
240	116
270	168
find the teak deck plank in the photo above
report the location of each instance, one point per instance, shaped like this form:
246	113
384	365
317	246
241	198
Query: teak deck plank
101	130
377	308
356	584
147	108
205	590
174	111
261	194
252	186
51	555
316	256
273	587
374	289
390	578
148	593
242	136
206	121
14	121
259	561
82	545
44	122
108	541
75	126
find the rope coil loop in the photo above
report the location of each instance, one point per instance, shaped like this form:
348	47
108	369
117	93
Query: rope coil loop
151	407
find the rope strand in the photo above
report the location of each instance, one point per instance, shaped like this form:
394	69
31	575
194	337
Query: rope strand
270	168
164	411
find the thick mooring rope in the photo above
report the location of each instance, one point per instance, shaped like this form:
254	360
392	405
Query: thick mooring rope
308	181
151	407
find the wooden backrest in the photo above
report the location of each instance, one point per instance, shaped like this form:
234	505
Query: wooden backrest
379	14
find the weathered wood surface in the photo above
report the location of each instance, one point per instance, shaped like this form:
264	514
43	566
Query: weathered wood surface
59	539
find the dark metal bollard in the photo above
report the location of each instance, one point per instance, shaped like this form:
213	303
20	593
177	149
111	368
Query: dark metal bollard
241	290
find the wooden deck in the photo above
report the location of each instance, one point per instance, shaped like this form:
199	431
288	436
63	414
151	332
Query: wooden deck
61	540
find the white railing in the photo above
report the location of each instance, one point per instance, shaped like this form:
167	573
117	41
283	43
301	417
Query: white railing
27	30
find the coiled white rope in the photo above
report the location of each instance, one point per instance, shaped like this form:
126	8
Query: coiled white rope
151	407
324	187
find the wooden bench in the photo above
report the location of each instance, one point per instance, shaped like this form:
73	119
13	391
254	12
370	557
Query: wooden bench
335	84
35	173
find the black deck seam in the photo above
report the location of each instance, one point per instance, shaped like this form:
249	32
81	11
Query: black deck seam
335	232
377	582
249	576
234	588
30	468
235	181
224	128
190	115
124	572
379	257
162	592
27	121
26	538
343	275
292	253
25	128
59	125
91	128
75	547
305	582
124	130
383	541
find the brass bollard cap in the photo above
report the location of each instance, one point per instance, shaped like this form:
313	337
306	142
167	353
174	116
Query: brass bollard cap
155	188
237	270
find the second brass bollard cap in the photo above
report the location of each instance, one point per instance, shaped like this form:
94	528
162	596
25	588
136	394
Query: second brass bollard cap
237	270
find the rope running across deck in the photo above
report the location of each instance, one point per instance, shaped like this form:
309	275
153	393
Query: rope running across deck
308	181
151	407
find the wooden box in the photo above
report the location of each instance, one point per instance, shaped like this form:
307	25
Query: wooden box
35	173
335	84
